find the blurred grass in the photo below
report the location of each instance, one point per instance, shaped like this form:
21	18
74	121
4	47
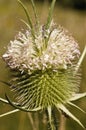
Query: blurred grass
10	24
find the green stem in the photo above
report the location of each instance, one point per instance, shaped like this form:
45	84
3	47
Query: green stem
55	118
52	126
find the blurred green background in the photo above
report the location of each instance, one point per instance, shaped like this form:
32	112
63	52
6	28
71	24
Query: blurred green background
69	13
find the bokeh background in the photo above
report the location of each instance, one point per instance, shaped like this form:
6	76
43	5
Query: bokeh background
69	13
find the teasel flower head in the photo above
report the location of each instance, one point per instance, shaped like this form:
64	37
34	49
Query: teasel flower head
45	60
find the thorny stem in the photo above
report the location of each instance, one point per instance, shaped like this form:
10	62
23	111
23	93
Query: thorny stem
55	119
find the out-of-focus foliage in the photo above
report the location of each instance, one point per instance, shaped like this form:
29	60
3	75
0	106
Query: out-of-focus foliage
77	4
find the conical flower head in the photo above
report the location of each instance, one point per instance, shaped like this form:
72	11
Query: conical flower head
48	62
